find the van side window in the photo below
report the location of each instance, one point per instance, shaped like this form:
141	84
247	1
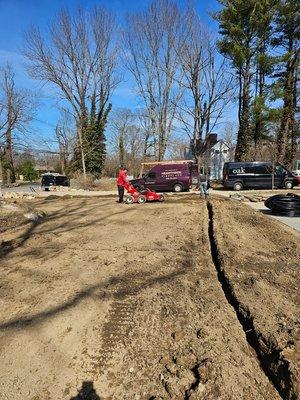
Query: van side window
151	175
262	169
279	170
249	169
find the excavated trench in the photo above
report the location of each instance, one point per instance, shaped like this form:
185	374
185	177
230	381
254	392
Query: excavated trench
272	364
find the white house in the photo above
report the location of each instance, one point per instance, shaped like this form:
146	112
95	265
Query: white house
214	154
220	153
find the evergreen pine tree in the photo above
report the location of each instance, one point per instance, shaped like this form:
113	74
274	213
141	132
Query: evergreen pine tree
241	26
95	140
262	114
287	36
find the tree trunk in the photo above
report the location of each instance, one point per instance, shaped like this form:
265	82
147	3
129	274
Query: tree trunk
10	157
240	96
80	138
286	125
243	139
288	129
121	149
162	143
8	176
1	169
260	89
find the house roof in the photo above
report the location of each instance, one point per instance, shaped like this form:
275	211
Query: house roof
221	141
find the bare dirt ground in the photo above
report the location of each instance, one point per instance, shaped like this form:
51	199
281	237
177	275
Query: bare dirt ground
259	263
106	301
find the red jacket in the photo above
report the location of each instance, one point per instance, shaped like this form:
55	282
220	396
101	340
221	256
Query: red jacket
122	178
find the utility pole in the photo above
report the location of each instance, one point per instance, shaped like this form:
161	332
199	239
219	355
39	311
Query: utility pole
273	171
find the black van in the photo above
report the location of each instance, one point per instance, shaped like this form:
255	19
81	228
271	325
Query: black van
49	180
257	174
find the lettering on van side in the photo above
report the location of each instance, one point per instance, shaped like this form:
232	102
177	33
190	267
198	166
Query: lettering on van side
238	171
170	174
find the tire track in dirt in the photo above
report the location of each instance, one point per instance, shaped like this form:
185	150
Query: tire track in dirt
273	366
169	343
116	328
119	323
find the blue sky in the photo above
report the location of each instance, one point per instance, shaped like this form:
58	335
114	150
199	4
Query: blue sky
17	15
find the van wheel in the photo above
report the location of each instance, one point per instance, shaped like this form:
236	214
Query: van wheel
178	188
288	185
238	186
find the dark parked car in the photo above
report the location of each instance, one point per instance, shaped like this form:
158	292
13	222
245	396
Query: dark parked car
49	180
164	177
239	175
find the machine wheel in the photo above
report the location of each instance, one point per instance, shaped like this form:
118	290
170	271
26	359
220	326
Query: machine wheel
238	186
129	200
162	198
178	187
288	185
142	199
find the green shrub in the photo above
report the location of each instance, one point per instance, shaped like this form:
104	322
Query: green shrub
28	171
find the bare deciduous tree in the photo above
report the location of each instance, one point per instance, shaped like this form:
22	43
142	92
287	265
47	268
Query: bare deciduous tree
147	137
79	58
207	84
151	40
121	124
16	111
66	138
127	139
177	148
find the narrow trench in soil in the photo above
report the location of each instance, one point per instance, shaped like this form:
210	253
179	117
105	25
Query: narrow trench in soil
270	362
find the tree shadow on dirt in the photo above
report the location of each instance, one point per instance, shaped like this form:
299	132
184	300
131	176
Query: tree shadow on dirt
113	288
39	226
87	392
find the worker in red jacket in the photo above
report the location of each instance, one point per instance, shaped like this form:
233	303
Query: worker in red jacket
121	181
